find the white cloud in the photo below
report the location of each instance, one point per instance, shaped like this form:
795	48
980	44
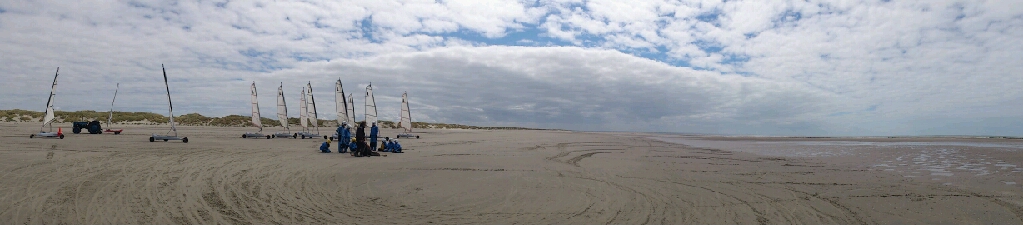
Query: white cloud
567	87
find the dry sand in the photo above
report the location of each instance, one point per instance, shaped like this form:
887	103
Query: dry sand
460	177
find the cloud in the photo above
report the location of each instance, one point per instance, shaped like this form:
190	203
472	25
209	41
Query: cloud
565	87
779	67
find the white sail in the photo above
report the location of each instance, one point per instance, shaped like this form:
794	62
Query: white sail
303	111
406	116
351	109
282	107
49	102
340	104
255	109
371	106
313	118
170	105
111	117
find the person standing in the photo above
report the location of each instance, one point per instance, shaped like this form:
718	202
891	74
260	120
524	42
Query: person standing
344	137
373	137
360	137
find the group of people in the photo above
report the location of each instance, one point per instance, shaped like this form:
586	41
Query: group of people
391	145
358	145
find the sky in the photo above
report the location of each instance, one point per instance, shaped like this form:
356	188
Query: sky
808	68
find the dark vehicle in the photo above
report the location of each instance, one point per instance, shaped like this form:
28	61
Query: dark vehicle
92	127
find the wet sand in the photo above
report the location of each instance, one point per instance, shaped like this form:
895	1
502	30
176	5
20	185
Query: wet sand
484	177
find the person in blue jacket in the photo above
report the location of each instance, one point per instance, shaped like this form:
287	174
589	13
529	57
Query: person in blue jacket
383	146
344	137
395	147
353	145
386	144
373	137
325	147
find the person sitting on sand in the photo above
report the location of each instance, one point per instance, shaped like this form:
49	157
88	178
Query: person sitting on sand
385	145
344	136
325	147
395	147
389	145
353	146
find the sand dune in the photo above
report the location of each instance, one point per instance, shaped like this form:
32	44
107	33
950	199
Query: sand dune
456	177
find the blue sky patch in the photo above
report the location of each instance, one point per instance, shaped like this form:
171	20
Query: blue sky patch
366	26
789	16
839	114
710	17
137	4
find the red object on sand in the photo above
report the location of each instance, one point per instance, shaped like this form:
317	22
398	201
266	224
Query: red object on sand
59	131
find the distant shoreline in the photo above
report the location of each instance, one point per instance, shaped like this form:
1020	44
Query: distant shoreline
196	119
822	138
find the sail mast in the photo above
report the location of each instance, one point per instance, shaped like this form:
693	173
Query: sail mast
170	105
49	103
313	118
282	108
111	117
255	109
341	105
408	113
303	111
375	114
371	106
351	109
406	116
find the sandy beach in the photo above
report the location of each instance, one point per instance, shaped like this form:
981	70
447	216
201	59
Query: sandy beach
501	177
